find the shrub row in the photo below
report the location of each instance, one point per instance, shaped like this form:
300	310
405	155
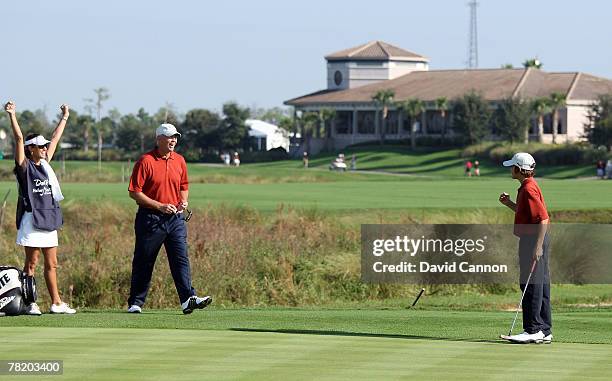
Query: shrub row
544	154
421	142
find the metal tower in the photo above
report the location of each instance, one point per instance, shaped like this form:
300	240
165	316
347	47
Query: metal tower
472	60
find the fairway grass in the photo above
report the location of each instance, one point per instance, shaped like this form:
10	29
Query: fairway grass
441	163
360	195
588	326
307	344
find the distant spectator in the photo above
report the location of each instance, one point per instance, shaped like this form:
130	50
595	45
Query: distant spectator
236	159
354	162
468	168
601	169
609	169
226	158
476	168
305	159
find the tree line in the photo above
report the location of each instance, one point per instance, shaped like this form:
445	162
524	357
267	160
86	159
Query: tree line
97	131
474	118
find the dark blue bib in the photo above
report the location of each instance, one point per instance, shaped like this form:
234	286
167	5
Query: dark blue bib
46	212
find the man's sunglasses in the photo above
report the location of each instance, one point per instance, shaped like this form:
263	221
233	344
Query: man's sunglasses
43	146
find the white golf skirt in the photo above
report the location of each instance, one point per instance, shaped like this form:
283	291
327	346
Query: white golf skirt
29	236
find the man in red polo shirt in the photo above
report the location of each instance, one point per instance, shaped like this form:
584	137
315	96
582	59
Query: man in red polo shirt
160	187
531	226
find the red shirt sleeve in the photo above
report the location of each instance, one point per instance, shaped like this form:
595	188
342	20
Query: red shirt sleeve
535	205
139	176
184	179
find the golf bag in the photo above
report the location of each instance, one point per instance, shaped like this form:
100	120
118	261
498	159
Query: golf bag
17	291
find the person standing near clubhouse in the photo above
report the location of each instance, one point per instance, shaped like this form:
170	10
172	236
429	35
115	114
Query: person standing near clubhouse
38	211
531	222
160	187
468	168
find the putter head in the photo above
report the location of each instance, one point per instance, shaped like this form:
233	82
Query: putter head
505	337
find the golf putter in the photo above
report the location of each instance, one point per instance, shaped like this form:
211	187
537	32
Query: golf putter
507	337
417	298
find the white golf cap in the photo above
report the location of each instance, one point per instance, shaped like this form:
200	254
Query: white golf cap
166	129
39	141
523	160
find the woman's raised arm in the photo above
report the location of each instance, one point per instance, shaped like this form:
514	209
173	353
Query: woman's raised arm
59	130
10	108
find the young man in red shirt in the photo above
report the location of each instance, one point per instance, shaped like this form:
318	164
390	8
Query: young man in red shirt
531	223
160	187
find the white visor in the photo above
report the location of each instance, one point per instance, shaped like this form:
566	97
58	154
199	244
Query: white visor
39	141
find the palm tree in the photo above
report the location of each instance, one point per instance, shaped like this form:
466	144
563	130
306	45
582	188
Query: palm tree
442	106
383	99
310	121
557	102
412	108
325	115
533	62
540	107
102	95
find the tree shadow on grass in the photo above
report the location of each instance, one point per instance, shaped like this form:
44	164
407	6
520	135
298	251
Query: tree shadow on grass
363	334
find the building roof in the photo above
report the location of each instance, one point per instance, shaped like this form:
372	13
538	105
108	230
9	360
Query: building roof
375	50
492	84
587	84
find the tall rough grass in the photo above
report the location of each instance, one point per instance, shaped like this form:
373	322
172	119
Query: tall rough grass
239	255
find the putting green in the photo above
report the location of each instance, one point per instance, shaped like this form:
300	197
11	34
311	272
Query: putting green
156	354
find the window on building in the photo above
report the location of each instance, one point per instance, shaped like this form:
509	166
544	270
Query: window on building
433	121
392	122
344	122
548	124
366	122
408	122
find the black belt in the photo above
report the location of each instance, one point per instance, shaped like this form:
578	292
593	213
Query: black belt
142	209
150	211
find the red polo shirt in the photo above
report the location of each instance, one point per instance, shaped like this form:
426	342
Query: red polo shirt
530	207
160	179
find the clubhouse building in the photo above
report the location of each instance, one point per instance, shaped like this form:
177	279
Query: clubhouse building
355	75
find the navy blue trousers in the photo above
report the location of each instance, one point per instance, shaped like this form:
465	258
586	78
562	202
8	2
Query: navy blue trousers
154	229
537	313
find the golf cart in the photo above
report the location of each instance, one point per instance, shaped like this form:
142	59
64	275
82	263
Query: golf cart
338	164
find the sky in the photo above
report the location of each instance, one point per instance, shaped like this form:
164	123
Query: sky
259	53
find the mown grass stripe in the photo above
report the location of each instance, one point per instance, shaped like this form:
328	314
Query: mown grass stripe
95	353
